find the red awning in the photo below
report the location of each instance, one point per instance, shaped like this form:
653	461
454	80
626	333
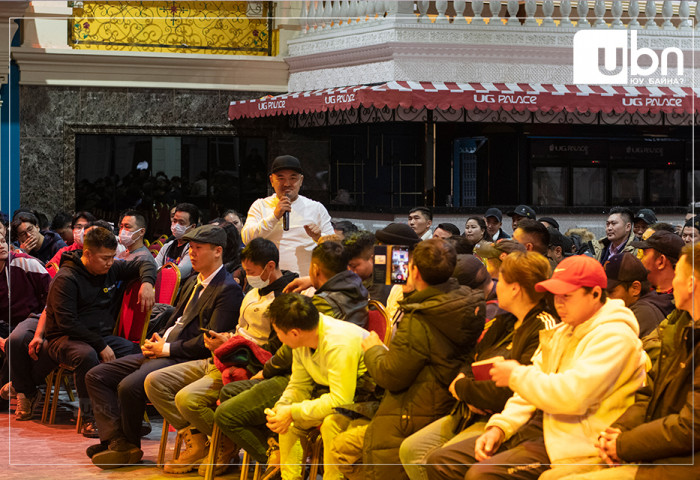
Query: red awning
484	96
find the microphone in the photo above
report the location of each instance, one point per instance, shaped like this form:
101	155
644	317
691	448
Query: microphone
285	219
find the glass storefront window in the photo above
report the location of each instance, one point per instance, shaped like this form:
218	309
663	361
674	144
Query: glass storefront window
550	186
664	187
627	186
589	186
153	173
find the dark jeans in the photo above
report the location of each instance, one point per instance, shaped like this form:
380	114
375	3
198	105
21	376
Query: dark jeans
24	372
241	415
522	457
82	357
117	393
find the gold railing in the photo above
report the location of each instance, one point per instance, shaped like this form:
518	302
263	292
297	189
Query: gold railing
234	28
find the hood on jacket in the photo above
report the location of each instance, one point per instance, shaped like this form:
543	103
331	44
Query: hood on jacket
347	282
278	285
663	301
613	311
71	260
438	304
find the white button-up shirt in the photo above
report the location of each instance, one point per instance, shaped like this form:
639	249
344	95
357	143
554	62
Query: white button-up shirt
295	245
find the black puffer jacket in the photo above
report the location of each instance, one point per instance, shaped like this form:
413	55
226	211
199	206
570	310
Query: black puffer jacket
438	331
343	297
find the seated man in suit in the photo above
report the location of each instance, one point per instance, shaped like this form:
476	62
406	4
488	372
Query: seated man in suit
209	300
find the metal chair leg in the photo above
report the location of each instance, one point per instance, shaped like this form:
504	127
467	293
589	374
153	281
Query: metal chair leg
79	421
47	398
56	391
316	449
160	461
245	465
257	472
213	447
66	383
178	445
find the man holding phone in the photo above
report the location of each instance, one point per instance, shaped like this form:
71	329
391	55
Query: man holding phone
441	323
185	394
308	220
211	300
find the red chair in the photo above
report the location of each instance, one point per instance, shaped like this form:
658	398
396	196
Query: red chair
379	321
52	268
167	283
132	323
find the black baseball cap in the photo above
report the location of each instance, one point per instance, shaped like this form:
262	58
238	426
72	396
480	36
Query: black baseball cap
550	221
494	212
207	234
646	215
622	268
558	239
693	222
663	242
523	211
397	234
286	162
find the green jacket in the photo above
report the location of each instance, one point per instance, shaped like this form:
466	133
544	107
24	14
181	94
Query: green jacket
439	329
602	244
662	425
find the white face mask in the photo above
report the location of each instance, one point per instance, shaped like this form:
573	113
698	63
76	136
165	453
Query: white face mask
78	236
126	237
256	281
178	230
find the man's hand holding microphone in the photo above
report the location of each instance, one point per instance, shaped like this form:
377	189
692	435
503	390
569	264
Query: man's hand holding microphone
284	206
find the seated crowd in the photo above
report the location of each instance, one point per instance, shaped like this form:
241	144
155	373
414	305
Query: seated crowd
545	355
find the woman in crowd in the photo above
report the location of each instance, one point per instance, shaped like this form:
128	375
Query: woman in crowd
512	335
475	231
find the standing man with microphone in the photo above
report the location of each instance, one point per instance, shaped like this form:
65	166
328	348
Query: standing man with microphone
291	221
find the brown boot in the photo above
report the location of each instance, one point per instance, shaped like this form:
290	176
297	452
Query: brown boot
226	455
196	451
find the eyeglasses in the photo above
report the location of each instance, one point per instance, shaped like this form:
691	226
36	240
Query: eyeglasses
29	231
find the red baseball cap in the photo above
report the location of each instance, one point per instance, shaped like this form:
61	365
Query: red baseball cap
573	273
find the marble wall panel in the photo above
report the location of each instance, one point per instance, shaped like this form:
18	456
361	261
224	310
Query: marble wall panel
103	106
151	107
41	174
44	110
200	107
50	116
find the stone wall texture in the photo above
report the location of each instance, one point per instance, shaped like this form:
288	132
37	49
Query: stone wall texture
49	113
